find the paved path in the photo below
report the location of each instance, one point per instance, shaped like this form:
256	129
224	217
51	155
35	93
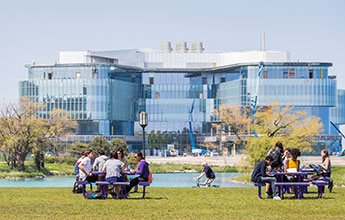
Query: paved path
235	160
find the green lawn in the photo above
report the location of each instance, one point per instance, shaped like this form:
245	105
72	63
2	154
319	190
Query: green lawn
167	203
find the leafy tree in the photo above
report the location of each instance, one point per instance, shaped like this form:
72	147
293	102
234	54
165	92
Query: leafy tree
276	123
21	132
77	148
234	119
117	143
100	143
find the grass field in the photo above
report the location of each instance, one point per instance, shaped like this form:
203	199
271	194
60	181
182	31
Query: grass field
168	203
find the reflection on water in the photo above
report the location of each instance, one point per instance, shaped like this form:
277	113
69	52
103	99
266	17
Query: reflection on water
160	180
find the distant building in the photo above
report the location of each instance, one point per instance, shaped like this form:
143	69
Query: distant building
104	91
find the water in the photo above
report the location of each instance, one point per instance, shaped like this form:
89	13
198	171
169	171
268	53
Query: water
160	180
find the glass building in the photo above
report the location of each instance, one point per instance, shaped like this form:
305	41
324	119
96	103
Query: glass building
104	91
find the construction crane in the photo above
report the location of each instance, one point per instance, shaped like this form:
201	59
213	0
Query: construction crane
190	125
341	153
261	67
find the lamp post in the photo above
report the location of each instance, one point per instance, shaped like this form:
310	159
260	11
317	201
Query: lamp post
143	123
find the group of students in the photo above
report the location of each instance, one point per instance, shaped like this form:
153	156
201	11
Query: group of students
286	160
114	167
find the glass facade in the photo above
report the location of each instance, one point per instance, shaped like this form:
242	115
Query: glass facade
105	99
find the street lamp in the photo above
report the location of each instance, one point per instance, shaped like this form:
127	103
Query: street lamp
143	123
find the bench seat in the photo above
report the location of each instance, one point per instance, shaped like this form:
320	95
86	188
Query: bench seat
259	185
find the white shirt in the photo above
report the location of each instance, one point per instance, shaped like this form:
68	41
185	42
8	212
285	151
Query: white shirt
113	168
87	167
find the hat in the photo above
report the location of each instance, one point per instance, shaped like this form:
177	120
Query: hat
203	163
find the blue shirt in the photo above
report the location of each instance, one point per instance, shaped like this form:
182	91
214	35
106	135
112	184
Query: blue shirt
209	172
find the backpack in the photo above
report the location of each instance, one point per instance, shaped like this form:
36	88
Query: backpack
94	195
77	188
150	177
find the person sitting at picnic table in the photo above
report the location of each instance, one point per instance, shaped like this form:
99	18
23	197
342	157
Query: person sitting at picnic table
276	154
85	168
210	177
121	157
293	163
143	171
113	169
259	175
99	161
76	166
286	156
323	169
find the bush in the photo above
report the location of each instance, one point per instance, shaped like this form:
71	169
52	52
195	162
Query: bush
49	159
70	161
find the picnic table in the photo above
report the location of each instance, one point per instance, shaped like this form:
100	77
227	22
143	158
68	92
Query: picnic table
300	187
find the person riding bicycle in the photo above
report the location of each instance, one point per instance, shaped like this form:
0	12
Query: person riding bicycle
210	177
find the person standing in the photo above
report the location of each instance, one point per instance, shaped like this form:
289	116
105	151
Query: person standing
259	175
277	155
210	177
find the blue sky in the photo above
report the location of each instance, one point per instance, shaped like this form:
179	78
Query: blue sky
38	30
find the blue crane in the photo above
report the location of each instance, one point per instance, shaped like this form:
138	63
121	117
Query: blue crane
341	133
261	66
190	125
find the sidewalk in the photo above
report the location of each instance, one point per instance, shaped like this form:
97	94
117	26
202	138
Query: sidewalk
237	160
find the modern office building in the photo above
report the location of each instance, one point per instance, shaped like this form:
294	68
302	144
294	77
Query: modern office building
104	91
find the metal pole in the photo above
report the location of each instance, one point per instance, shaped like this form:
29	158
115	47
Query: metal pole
144	142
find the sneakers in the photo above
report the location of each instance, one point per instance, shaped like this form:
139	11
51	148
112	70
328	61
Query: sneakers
276	198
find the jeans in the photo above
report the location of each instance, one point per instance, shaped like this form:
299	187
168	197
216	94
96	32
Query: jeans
272	181
134	182
318	169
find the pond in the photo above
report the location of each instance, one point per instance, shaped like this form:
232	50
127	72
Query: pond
160	180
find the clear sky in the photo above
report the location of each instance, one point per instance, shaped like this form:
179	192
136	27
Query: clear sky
312	30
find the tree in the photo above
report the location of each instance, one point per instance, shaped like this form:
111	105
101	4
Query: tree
117	143
276	123
77	148
100	143
234	119
22	132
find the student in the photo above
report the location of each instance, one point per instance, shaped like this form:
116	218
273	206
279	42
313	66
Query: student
100	160
324	169
293	163
85	167
276	154
76	166
143	171
122	158
259	175
210	177
286	156
113	169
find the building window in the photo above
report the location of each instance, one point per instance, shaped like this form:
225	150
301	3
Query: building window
311	74
289	73
322	74
204	80
265	74
157	95
200	95
151	80
222	79
94	73
50	75
77	75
